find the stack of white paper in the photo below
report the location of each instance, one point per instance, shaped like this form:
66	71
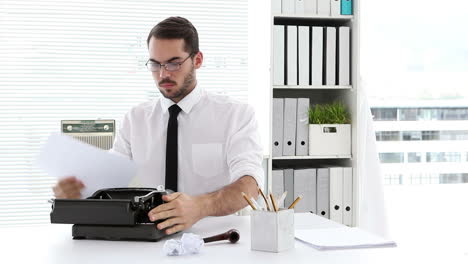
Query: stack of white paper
64	156
341	238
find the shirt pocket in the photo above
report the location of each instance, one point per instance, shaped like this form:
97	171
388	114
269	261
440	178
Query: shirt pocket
207	159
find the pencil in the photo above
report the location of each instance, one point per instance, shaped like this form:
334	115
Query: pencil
282	197
295	202
273	202
255	204
264	198
248	201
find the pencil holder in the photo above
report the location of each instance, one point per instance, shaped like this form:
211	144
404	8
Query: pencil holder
272	231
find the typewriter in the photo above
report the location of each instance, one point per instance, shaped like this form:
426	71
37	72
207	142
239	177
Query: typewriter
111	214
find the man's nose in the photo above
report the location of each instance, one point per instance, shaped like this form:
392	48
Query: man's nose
163	72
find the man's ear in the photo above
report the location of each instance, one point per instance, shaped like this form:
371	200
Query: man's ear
198	60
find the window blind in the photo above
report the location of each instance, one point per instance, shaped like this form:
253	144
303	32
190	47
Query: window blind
81	59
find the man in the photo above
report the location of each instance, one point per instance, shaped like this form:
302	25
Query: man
204	146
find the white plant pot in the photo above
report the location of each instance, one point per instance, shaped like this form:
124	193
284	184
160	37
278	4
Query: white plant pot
330	140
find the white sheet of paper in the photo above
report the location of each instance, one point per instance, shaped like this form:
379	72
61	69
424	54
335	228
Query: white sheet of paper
63	156
341	238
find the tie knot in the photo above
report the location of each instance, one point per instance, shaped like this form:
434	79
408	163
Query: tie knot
174	110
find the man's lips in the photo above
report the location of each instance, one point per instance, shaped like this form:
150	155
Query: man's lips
167	85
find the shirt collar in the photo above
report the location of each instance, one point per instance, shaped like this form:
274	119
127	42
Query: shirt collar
186	104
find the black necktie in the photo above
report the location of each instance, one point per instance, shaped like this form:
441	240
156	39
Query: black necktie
171	148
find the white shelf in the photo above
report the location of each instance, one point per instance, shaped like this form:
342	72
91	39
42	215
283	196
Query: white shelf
312	157
347	17
322	94
312	87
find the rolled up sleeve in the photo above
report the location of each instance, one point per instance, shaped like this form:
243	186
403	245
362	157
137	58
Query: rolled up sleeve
244	151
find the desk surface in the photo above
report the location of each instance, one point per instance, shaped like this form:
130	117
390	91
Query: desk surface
54	244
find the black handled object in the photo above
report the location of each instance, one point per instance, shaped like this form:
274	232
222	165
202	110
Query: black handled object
232	235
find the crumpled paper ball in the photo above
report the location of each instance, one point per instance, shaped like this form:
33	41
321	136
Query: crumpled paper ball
188	244
173	247
192	243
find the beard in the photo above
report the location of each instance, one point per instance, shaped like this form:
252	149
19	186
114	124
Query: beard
184	88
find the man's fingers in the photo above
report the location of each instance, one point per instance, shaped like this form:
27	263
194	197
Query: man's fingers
161	208
68	187
175	229
163	215
71	189
170	222
70	181
75	195
67	180
66	195
58	192
170	197
80	184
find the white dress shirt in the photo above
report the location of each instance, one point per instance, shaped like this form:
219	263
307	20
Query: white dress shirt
218	142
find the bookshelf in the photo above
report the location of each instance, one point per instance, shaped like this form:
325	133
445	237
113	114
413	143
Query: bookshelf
311	87
319	94
312	157
315	17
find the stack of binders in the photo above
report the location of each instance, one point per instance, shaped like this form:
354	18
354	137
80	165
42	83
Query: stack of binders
333	8
290	127
298	57
327	192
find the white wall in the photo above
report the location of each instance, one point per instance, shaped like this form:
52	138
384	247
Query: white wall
259	65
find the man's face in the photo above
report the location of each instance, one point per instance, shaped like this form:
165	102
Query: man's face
174	85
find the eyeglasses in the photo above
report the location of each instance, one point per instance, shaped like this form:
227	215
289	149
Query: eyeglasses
170	66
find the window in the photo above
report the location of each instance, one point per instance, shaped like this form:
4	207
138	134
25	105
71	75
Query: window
428	114
425	70
453	156
419	113
411	135
391	157
435	157
454	114
86	60
414	157
387	135
454	135
394	179
409	114
384	114
443	157
430	135
454	178
421	135
423	178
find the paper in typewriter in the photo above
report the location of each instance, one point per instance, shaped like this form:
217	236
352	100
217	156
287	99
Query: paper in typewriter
63	156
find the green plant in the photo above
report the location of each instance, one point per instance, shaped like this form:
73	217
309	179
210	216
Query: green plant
334	113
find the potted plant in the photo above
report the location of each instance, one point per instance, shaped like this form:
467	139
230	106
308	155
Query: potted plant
329	130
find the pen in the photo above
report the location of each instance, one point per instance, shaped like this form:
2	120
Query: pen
264	198
295	202
248	201
273	202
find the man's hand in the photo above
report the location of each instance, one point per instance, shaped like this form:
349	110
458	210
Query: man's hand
181	211
68	188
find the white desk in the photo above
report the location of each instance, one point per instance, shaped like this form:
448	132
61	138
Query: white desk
53	244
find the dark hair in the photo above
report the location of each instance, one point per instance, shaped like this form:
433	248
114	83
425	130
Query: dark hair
176	28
